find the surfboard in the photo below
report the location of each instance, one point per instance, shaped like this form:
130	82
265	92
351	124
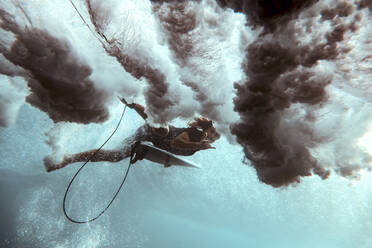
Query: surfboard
160	156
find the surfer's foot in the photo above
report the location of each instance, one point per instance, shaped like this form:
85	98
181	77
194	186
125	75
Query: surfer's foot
50	164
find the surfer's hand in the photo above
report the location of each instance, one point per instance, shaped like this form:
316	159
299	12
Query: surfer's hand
206	145
210	147
129	105
123	100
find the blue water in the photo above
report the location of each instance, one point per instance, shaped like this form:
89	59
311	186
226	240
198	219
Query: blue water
221	205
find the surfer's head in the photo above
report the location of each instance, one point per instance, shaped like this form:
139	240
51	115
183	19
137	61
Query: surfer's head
201	122
207	126
212	134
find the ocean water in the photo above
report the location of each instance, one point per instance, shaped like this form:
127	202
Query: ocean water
223	204
298	80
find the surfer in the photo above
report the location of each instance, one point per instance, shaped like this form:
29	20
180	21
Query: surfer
199	135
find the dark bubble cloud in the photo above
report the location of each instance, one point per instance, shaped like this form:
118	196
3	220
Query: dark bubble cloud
275	81
58	81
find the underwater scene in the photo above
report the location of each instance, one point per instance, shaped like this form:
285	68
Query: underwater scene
201	123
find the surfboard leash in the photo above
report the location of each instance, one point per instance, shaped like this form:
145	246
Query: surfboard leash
80	169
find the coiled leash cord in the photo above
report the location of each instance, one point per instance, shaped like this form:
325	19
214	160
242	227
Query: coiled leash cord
86	162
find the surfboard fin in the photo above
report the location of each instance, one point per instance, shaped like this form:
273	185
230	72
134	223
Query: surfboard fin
166	162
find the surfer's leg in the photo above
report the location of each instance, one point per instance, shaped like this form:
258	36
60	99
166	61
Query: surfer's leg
142	134
102	155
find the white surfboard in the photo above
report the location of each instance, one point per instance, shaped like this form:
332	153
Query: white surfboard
160	156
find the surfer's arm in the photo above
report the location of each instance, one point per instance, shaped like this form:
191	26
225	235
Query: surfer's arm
137	107
182	141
